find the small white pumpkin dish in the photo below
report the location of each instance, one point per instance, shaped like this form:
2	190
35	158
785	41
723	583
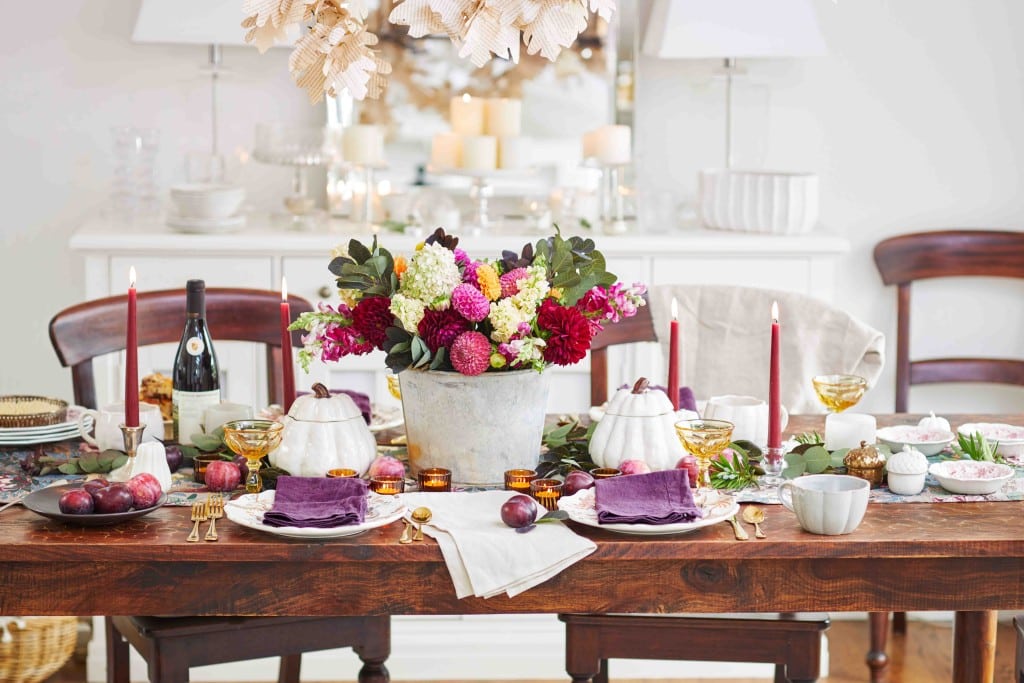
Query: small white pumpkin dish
971	477
928	440
906	471
324	432
638	424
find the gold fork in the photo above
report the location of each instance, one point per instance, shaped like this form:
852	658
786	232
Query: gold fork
214	510
198	516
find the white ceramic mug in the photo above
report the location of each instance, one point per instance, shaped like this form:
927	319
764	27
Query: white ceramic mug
108	425
749	416
829	504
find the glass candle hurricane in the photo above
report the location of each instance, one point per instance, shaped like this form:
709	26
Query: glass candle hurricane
546	492
519	480
435	480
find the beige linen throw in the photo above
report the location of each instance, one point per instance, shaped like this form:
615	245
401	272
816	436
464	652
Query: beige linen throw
725	341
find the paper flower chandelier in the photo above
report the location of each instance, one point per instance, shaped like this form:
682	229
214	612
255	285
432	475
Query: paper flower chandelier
337	53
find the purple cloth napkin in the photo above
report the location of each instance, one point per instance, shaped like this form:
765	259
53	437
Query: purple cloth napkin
686	398
656	498
317	503
362	401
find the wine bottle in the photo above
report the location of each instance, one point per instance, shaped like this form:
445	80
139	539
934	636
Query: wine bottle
195	384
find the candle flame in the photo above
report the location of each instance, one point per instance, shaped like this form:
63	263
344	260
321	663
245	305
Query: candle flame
131	276
775	311
284	288
466	97
675	309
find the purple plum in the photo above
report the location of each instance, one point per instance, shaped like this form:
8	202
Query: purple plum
76	502
519	511
114	498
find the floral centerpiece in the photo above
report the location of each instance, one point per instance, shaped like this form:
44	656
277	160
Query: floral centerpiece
474	335
442	309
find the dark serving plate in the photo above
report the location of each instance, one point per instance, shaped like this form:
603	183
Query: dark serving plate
45	502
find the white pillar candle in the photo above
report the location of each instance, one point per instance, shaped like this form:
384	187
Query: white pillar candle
219	414
513	152
613	145
480	152
467	115
590	145
446	151
847	430
363	144
503	116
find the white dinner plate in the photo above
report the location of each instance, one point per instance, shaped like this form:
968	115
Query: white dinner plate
580	507
206	225
247	511
70	422
385	417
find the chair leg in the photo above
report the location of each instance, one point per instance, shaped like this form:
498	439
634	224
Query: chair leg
168	665
117	654
780	674
290	669
877	658
899	622
602	673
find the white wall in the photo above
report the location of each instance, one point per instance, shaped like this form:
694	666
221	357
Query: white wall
913	122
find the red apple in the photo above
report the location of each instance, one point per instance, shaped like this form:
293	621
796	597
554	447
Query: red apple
577	480
634	467
145	490
222	475
689	463
519	511
386	466
76	502
114	498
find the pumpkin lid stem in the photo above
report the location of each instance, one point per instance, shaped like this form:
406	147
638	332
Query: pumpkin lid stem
641	385
321	391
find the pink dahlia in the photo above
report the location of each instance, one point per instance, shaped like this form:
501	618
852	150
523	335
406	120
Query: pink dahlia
569	330
342	340
471	353
470	303
372	317
440	328
510	281
461	257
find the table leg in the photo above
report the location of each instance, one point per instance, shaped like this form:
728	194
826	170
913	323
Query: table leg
878	659
974	647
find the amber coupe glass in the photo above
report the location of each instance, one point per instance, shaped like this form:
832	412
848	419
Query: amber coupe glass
253	439
705	439
839	392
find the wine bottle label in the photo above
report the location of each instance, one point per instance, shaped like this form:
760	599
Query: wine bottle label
187	409
195	346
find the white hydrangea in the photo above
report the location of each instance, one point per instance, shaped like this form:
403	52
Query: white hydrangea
431	276
505	319
529	350
532	288
409	311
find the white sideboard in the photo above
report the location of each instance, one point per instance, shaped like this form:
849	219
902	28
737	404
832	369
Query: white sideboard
431	648
259	256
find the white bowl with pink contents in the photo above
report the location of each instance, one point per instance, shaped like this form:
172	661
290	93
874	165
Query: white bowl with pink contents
1009	437
925	439
971	477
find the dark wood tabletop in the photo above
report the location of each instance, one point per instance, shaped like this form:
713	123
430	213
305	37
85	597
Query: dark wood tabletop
965	557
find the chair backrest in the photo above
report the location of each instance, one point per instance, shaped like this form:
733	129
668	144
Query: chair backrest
639	328
725	342
95	328
947	253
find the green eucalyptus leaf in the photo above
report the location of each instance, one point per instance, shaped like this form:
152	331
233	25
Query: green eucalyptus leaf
838	457
358	251
207	442
553	516
69	468
817	459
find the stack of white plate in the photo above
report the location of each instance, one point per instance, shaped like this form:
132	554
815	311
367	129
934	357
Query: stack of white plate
26	436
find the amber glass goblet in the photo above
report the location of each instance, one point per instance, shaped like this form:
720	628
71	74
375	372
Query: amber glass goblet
705	439
839	392
253	439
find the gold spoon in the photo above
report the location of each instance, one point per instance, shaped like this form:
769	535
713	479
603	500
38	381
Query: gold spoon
406	536
421	515
754	515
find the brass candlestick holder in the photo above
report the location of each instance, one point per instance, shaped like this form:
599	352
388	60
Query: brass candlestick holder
132	438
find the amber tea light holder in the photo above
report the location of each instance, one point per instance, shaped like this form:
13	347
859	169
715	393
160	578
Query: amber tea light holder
546	492
605	472
387	486
519	480
435	480
342	473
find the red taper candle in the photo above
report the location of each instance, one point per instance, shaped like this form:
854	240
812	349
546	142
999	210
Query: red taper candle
131	353
288	368
774	385
673	357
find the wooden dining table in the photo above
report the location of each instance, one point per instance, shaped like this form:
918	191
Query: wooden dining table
961	557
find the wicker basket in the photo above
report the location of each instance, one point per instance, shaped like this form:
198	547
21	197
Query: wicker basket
37	650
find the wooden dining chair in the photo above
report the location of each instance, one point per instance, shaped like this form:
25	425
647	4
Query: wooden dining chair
790	641
171	646
901	261
1018	663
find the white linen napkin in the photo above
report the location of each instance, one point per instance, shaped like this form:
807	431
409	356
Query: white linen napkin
484	556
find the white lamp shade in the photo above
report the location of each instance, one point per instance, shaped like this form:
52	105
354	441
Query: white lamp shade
204	22
701	29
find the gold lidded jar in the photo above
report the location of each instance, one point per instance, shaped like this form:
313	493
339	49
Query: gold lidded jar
866	462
